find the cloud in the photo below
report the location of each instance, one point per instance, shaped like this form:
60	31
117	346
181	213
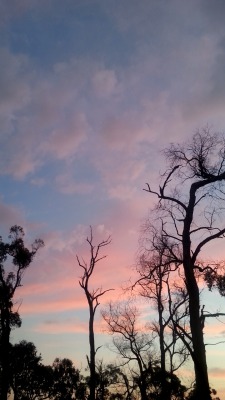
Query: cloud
60	116
37	114
63	143
58	242
89	116
38	182
69	325
63	293
217	372
51	283
67	184
15	88
63	326
105	83
14	84
14	9
122	132
46	305
10	215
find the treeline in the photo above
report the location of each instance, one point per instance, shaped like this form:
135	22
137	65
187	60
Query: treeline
171	270
30	379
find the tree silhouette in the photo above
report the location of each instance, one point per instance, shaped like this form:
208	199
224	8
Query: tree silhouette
190	218
156	283
28	377
131	344
20	258
107	379
137	350
65	380
93	297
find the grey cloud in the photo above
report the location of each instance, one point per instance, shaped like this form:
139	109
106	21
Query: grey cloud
213	13
51	322
37	115
14	83
9	216
174	79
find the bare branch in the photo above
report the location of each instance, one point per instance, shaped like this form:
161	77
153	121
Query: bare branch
217	235
92	299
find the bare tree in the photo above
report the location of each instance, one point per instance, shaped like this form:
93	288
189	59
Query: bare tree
93	296
20	258
191	214
130	343
156	284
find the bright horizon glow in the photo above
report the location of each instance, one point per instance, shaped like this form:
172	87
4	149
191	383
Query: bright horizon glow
91	91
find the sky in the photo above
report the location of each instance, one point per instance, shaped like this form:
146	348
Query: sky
91	91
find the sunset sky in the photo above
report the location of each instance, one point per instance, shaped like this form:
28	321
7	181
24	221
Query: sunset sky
90	92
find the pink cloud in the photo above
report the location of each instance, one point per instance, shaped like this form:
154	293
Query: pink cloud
10	215
123	132
35	305
64	294
51	284
49	112
63	143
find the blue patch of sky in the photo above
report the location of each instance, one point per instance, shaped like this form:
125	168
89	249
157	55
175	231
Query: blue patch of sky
71	31
47	203
61	345
73	345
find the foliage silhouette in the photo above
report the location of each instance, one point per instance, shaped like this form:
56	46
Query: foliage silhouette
20	257
30	379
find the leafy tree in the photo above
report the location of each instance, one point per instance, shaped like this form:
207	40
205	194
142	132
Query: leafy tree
20	257
29	379
82	388
93	297
189	214
65	380
107	378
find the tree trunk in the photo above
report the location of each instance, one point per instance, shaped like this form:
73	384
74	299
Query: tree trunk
199	357
142	387
92	385
142	380
164	395
5	354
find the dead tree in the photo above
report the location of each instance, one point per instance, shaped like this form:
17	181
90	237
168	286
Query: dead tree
92	296
130	342
156	283
191	214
